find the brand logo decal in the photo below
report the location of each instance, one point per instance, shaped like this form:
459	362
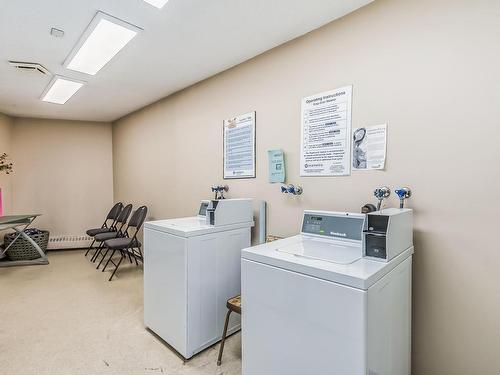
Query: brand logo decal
338	234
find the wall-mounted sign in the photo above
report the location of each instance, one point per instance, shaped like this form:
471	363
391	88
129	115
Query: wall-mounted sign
239	146
326	133
369	147
276	162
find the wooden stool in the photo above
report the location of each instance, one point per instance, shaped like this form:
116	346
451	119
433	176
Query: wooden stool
233	305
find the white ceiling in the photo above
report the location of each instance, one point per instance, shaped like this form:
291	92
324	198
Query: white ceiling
184	43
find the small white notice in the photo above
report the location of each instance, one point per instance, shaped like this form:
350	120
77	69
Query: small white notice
239	146
326	134
369	145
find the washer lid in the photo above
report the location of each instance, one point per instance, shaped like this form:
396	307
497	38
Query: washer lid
191	226
333	260
325	250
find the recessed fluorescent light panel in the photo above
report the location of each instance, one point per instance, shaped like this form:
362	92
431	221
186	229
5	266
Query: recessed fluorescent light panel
157	3
103	39
60	89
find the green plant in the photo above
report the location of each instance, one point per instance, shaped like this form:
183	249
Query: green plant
5	164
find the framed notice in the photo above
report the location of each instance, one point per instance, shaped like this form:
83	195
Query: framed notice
239	146
326	133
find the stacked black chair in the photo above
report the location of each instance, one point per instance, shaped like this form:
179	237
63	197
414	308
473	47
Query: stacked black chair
120	224
127	244
109	224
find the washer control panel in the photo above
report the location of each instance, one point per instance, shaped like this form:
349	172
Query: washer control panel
341	225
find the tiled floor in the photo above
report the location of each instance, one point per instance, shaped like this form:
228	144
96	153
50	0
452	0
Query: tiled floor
66	318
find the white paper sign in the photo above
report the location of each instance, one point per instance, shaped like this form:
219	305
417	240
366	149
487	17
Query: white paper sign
326	134
239	146
369	145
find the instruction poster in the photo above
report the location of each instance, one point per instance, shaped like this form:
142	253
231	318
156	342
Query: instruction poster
369	145
239	146
326	133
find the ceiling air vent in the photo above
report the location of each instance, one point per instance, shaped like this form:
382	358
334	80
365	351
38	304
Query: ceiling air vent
29	67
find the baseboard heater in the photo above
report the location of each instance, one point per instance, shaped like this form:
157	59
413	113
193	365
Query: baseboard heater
68	242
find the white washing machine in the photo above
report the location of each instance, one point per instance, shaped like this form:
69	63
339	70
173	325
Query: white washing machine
191	268
334	300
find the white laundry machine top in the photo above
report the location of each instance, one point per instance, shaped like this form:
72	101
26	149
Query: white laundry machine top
191	226
232	214
330	248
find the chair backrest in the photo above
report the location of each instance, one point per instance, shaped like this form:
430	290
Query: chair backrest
137	219
124	214
115	211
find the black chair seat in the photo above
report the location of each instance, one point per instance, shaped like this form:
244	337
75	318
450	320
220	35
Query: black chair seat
95	231
105	236
121	243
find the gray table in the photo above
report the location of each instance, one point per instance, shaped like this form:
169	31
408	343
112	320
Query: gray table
19	223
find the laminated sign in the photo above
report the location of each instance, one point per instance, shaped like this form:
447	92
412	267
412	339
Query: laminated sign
276	166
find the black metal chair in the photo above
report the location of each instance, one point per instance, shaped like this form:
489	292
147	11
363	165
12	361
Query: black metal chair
127	245
107	226
120	224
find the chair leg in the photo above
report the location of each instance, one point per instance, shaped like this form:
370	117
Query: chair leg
118	265
96	255
109	260
134	256
102	259
97	252
223	341
137	254
90	247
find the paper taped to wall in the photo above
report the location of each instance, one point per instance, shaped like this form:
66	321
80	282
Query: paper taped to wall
326	129
369	145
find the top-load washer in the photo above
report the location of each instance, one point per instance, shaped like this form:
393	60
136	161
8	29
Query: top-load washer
335	299
191	268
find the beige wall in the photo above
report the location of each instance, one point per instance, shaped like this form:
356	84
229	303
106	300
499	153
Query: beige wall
63	170
430	69
5	147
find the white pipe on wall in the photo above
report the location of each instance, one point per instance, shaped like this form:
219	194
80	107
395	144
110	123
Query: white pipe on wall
262	222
